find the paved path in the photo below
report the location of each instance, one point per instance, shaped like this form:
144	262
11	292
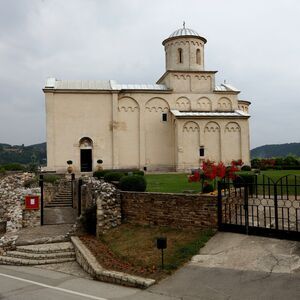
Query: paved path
230	266
59	215
27	235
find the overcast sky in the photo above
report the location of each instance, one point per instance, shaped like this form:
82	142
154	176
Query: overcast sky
254	45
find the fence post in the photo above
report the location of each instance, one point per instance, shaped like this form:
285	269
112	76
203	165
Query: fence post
41	182
72	188
219	205
276	207
79	196
246	207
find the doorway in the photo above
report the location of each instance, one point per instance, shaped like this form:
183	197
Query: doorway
86	160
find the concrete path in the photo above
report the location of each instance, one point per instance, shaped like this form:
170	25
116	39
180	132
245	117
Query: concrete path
59	215
249	253
31	234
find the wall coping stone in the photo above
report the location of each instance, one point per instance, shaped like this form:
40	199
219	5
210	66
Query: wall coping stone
174	194
89	263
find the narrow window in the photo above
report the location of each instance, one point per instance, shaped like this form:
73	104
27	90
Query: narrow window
198	58
164	117
180	60
201	151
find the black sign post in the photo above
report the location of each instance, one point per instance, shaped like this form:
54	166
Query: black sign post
161	243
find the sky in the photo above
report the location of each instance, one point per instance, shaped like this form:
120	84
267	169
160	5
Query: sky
254	45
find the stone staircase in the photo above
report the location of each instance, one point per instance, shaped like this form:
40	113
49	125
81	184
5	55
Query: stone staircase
63	197
39	254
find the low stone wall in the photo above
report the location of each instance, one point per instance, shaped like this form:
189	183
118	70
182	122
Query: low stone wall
89	263
12	198
107	198
174	210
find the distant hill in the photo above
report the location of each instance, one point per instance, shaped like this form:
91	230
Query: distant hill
22	154
276	150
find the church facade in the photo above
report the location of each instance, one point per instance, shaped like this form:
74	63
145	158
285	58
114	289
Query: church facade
169	126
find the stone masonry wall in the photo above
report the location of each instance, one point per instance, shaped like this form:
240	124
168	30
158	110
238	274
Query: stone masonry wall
12	198
107	198
174	210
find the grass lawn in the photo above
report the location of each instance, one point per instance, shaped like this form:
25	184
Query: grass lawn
178	183
132	249
170	183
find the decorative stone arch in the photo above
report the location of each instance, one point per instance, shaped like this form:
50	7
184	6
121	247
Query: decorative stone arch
204	104
190	126
232	142
212	127
190	144
85	143
183	104
212	141
128	104
224	104
157	104
86	154
128	133
232	127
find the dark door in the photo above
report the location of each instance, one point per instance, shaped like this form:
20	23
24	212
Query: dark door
86	160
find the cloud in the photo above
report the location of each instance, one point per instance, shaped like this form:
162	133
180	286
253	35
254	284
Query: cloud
253	45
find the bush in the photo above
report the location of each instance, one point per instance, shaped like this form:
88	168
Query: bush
140	173
208	188
243	179
13	167
2	171
31	183
100	174
136	183
89	219
246	168
51	178
113	176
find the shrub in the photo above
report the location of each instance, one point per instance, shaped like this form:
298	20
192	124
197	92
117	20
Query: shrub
89	219
246	168
208	188
141	173
2	171
136	183
100	174
13	167
31	183
113	176
243	179
51	178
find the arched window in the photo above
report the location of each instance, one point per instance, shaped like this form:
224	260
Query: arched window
198	57
180	58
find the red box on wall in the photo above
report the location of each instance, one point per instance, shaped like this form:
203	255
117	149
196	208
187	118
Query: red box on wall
32	202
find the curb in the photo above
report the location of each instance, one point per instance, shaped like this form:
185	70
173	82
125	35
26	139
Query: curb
89	263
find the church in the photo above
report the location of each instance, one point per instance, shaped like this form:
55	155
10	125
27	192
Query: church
172	125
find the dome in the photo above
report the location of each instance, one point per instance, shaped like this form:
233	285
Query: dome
185	32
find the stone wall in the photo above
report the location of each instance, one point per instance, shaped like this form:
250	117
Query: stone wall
174	210
107	198
12	198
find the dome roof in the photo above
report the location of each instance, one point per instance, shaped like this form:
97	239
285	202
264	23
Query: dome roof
184	32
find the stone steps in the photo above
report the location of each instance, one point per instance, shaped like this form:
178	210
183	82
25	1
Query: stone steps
39	254
7	260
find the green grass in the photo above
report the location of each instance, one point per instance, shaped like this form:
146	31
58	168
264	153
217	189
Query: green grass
171	183
178	183
136	245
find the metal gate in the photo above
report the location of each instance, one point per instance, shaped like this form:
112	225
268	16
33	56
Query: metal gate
260	206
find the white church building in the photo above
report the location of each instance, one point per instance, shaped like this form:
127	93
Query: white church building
169	126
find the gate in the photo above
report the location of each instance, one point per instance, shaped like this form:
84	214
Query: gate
260	206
